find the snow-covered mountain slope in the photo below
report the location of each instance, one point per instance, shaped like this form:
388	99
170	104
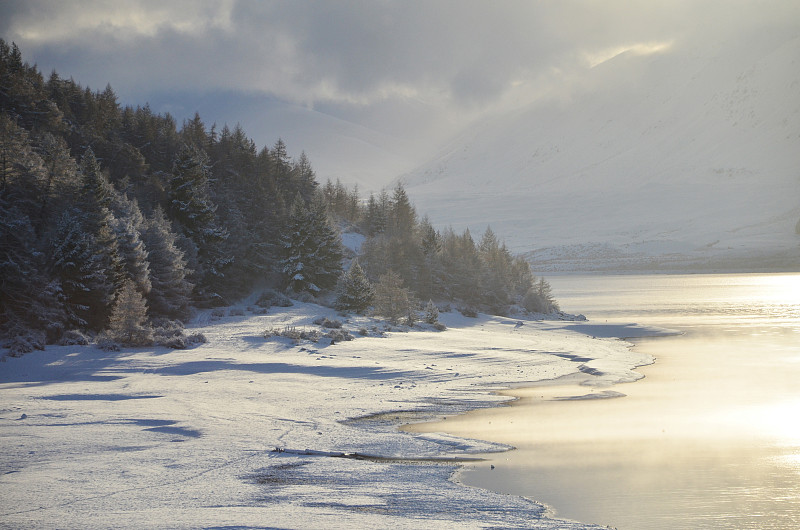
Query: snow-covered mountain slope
684	158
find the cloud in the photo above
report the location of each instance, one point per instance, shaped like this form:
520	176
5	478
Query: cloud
358	51
459	56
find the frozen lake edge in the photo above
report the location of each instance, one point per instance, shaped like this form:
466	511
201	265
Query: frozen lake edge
189	435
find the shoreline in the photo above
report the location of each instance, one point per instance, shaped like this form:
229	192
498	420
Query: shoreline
104	456
518	394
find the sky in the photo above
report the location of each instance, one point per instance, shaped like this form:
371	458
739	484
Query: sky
368	88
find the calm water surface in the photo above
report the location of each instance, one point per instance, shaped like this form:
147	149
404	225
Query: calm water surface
709	439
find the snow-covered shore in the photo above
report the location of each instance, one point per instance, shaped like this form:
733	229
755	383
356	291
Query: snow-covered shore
147	438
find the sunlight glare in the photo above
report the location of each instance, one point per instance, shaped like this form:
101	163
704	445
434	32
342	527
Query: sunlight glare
640	48
775	420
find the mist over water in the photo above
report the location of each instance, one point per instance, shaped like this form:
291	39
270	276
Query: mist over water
710	438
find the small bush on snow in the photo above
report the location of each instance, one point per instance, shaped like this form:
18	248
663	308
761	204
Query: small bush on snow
325	322
178	342
168	333
469	312
73	337
171	334
306	297
271	298
338	335
25	341
196	339
291	332
106	343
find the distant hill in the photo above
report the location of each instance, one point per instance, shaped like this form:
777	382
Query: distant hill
682	159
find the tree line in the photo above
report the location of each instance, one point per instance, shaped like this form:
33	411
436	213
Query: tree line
405	251
105	207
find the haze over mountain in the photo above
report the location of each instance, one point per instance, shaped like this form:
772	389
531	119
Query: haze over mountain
591	134
662	158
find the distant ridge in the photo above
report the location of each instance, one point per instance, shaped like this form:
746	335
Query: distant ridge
686	159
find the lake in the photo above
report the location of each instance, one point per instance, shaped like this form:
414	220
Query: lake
710	438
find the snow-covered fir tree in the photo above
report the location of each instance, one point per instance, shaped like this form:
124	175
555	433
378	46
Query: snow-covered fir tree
392	300
431	313
189	196
171	290
128	321
97	222
539	298
312	252
82	273
192	208
354	291
128	224
28	298
495	262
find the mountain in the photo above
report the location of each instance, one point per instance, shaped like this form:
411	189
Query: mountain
682	159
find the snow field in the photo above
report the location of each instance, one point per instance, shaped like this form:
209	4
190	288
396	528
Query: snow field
154	438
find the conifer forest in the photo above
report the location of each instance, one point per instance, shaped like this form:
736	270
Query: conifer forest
117	220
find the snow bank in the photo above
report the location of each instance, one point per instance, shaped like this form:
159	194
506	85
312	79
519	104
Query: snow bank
156	437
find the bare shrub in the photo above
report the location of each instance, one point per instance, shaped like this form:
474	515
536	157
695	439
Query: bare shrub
325	322
106	343
338	335
469	312
195	339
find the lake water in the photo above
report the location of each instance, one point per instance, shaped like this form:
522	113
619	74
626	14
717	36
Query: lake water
710	438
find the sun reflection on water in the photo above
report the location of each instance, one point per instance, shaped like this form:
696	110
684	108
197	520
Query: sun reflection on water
777	421
710	438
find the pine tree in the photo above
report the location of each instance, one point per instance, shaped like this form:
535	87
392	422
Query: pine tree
82	272
127	324
392	300
431	271
191	206
170	293
96	222
28	298
303	177
374	219
189	196
311	248
463	266
328	255
404	218
60	178
495	272
431	313
354	292
21	171
539	298
296	244
127	225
